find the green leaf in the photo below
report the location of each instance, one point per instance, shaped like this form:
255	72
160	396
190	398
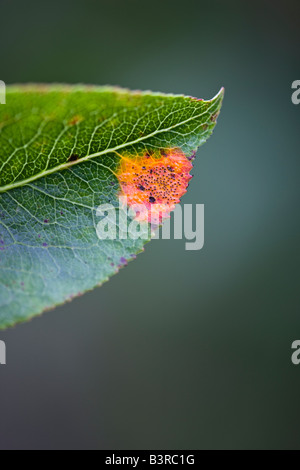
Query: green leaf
61	153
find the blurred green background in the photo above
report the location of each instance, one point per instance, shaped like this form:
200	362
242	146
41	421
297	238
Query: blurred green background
181	349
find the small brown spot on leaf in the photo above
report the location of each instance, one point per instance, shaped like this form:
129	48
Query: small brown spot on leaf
75	120
214	116
73	158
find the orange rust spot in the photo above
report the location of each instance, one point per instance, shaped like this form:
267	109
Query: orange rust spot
75	120
156	182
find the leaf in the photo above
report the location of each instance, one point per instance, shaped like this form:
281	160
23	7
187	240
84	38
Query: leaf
65	151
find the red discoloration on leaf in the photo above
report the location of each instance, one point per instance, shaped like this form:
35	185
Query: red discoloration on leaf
157	182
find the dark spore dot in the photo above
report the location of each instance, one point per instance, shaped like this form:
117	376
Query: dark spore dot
152	199
73	158
141	187
46	221
143	168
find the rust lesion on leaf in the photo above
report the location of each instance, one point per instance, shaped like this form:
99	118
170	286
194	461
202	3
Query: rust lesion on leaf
154	180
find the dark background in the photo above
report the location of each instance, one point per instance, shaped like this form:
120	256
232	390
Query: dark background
181	349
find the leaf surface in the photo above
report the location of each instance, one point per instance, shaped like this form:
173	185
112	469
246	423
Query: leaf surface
65	151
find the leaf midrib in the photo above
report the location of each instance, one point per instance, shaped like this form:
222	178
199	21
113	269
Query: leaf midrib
67	165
